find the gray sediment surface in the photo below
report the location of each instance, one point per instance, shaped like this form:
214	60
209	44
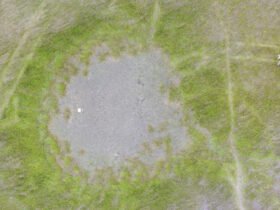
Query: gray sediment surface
117	107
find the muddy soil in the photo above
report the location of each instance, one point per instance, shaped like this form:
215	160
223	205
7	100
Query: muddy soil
117	107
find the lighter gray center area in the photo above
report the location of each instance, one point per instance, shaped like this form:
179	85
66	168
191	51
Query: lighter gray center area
120	99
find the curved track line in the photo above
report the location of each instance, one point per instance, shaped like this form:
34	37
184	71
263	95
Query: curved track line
16	60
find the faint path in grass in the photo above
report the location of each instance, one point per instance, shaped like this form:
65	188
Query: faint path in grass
14	57
155	19
17	63
255	59
238	181
261	45
204	131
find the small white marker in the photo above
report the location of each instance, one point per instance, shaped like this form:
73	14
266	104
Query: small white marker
79	110
278	57
117	155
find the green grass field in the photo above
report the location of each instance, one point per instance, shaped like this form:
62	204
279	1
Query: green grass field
226	53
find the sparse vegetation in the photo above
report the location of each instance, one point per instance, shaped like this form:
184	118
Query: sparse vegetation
224	51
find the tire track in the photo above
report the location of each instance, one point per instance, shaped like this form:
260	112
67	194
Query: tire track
155	19
238	181
17	65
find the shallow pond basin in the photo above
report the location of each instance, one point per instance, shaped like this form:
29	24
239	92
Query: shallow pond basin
116	108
